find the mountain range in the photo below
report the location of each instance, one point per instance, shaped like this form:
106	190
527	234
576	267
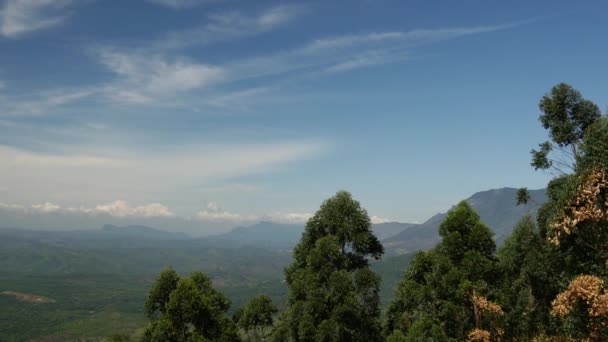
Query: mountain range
496	207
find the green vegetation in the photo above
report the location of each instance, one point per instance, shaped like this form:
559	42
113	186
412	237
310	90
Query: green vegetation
92	305
333	295
187	309
255	317
434	301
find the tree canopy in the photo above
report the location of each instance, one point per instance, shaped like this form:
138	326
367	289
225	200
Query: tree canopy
333	295
435	300
256	316
187	309
566	115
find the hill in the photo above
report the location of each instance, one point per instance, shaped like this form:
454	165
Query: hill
263	234
496	208
285	236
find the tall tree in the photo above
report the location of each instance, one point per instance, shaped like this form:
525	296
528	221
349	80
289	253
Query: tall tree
187	309
574	222
333	295
527	282
435	300
256	316
566	115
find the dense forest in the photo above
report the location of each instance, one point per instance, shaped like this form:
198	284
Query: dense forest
545	283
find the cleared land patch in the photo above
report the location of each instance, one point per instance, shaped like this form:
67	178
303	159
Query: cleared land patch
26	297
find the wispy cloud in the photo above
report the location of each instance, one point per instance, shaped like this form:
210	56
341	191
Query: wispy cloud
19	17
379	219
40	104
334	54
366	60
181	4
216	213
213	213
161	73
155	71
70	176
118	208
124	209
145	78
222	26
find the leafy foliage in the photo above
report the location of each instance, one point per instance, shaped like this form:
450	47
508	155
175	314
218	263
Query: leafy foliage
566	115
187	309
527	283
256	315
333	295
434	301
523	196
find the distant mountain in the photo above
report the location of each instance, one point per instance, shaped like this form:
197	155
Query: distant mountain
386	230
496	208
286	236
263	234
109	236
142	232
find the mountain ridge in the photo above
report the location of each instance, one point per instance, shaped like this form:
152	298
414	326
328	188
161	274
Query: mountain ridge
496	207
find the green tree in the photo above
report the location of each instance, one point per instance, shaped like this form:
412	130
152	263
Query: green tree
566	115
573	223
434	300
333	295
158	296
187	309
528	282
256	315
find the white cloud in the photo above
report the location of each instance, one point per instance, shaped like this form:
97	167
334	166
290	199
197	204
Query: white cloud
124	209
138	175
215	213
335	54
222	216
117	208
12	207
365	60
229	25
180	4
46	207
19	159
143	79
347	41
379	219
18	17
290	217
236	100
212	206
42	103
154	74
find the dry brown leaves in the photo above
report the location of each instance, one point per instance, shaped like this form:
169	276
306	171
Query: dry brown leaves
590	290
479	335
585	207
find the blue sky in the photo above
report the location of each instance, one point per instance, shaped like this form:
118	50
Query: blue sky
236	111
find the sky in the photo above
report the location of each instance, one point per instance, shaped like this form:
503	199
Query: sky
225	111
